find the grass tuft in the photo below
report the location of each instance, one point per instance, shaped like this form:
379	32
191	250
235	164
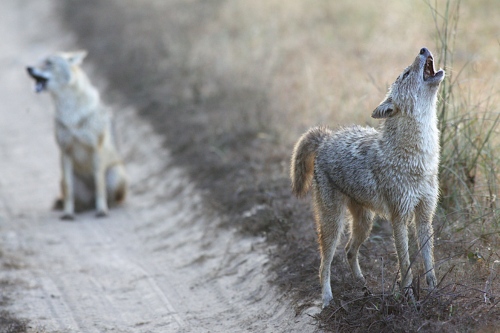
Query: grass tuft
468	170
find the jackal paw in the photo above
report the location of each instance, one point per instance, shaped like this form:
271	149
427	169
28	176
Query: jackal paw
102	213
407	292
366	292
67	217
360	279
431	281
327	300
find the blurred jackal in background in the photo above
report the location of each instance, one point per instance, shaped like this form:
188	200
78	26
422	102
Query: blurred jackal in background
392	171
92	171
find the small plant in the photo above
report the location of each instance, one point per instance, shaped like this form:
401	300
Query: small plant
468	160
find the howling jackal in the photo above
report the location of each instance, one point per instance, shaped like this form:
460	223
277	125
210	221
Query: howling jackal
392	171
92	171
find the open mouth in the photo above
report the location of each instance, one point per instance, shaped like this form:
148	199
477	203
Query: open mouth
40	80
429	72
429	68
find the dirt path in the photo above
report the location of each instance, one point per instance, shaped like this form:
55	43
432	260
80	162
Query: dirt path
158	264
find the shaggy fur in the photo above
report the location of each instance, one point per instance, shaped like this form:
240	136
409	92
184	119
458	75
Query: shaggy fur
392	171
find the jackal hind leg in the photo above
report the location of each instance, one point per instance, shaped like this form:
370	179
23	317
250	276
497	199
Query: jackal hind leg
413	243
330	209
361	226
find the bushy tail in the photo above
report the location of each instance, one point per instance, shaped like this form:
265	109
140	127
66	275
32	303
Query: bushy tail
302	164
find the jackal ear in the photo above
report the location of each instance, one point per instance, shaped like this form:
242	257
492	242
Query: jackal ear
386	109
76	58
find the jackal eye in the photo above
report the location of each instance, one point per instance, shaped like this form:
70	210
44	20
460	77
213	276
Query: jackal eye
405	75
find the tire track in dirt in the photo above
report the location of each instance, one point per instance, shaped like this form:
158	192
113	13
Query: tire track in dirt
160	263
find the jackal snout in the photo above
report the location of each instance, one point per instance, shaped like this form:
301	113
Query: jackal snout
56	71
429	73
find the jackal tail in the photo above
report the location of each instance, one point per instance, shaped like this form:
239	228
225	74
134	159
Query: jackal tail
304	154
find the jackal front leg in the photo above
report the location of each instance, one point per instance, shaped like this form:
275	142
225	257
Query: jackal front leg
100	184
400	230
67	187
424	215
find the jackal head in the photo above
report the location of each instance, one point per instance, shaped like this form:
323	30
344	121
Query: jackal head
56	71
414	90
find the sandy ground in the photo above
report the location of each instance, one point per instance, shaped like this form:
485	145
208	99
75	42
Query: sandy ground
157	264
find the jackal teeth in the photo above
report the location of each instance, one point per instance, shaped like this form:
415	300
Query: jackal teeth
429	68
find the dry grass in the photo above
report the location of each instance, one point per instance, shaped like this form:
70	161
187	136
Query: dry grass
232	85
